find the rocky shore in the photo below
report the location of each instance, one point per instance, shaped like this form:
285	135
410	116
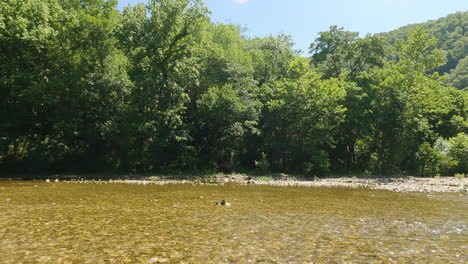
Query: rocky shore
406	184
397	184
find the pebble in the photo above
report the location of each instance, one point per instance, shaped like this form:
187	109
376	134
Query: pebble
153	260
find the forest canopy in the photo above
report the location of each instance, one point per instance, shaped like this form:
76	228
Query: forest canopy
159	87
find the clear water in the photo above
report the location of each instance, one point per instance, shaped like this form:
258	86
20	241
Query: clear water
180	223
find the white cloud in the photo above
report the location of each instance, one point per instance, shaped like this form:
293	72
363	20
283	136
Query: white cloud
240	2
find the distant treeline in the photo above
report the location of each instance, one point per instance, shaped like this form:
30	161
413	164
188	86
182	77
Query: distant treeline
159	87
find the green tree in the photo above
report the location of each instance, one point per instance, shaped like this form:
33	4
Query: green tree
336	52
406	99
450	32
342	54
160	56
432	162
459	152
48	48
271	57
158	86
304	111
332	51
226	117
458	77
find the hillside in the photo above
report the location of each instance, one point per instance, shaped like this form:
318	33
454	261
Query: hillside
453	40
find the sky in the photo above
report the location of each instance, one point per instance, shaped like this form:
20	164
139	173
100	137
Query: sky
304	19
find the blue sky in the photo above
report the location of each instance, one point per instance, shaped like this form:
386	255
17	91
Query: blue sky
303	19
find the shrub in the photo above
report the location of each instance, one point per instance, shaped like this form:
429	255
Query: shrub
262	165
432	162
459	152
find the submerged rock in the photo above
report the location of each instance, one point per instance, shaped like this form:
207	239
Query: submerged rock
224	202
153	260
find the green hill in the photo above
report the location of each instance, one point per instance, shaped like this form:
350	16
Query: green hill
452	32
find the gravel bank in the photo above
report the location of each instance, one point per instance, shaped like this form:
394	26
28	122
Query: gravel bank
398	184
406	184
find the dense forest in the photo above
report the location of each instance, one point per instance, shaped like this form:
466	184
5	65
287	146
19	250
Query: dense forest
159	87
450	32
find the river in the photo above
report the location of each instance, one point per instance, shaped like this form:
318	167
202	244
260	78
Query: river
66	222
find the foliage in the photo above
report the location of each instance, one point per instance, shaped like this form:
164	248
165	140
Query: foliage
337	52
458	77
301	118
447	156
459	151
450	32
432	162
263	165
225	118
159	87
271	57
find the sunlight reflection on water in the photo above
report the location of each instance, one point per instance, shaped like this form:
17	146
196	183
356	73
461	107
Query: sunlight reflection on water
181	223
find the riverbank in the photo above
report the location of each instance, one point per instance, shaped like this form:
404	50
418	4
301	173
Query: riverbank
397	184
406	184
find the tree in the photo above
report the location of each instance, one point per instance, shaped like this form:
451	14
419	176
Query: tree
450	32
160	57
226	116
336	52
459	152
342	54
158	86
406	99
49	47
271	57
332	50
458	77
301	118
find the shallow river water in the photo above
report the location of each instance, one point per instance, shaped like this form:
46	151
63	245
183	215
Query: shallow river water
180	223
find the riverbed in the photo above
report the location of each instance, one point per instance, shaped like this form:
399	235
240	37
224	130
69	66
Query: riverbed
114	222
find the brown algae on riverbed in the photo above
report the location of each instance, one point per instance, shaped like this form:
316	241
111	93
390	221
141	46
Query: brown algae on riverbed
180	223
